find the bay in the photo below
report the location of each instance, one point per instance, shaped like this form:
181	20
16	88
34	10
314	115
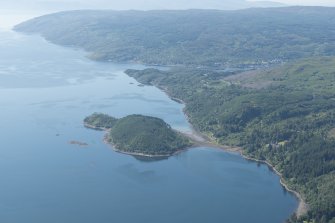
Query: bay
45	93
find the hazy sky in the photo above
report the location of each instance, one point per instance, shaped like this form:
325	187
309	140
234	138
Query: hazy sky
309	2
15	11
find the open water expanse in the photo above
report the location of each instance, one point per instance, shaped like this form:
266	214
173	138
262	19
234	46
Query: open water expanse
45	93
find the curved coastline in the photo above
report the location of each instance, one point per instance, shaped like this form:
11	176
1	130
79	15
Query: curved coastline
106	141
201	139
302	206
210	142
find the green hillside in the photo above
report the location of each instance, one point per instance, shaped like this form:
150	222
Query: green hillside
140	135
252	37
284	115
100	121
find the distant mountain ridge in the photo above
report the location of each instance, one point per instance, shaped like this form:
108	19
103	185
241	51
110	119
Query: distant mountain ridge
49	5
266	4
284	116
250	37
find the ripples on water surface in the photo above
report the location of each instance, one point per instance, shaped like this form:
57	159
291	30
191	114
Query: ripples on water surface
47	90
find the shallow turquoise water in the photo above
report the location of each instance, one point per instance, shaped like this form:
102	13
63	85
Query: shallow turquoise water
47	90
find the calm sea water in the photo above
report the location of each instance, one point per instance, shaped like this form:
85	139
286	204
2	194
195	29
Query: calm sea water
45	93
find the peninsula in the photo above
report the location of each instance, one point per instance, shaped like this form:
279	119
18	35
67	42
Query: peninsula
258	79
139	135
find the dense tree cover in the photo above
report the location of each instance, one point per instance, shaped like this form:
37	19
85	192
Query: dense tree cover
202	37
288	121
283	115
138	134
100	121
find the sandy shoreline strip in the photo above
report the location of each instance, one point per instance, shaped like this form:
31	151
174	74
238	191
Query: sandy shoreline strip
206	141
209	142
201	139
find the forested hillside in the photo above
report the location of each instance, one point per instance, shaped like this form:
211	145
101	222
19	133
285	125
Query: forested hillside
139	134
284	115
252	37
